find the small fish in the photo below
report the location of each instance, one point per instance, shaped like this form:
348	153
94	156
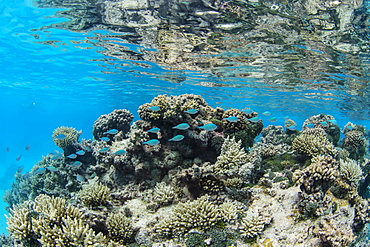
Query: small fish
51	168
93	175
176	138
292	127
72	156
60	137
103	150
18	158
55	155
232	119
111	131
80	178
349	127
154	108
152	142
28	147
80	152
333	121
76	163
154	130
106	139
324	123
286	117
254	119
266	113
8	149
192	111
182	126
41	170
310	125
20	169
273	119
208	127
120	152
247	110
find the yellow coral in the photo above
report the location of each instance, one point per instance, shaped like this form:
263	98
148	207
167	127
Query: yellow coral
94	194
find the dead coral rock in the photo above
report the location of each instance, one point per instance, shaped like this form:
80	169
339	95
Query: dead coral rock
118	119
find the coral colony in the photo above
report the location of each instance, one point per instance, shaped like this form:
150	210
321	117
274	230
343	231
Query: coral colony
187	174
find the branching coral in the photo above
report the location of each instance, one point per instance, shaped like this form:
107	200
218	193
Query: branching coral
231	158
318	176
52	222
332	234
313	142
350	170
120	228
71	135
163	193
253	224
200	214
94	194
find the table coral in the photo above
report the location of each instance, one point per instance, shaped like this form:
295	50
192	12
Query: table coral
71	136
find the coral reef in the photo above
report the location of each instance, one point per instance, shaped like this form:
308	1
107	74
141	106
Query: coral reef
211	187
69	136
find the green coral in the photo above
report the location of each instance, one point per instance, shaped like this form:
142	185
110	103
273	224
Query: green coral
71	136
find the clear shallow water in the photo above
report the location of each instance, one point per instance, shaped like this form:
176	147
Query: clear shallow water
53	77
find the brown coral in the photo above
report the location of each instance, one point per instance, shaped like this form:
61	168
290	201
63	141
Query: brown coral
118	119
94	194
71	136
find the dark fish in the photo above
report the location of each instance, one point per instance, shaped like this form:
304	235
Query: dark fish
8	149
28	147
20	169
18	158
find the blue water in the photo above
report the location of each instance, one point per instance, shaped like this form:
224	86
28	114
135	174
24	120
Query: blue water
54	77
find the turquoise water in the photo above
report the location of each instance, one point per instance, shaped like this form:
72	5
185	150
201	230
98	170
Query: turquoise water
54	77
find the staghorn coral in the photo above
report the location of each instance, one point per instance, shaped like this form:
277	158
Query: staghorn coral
313	142
350	170
118	119
71	136
120	229
200	214
50	221
231	158
94	194
20	222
